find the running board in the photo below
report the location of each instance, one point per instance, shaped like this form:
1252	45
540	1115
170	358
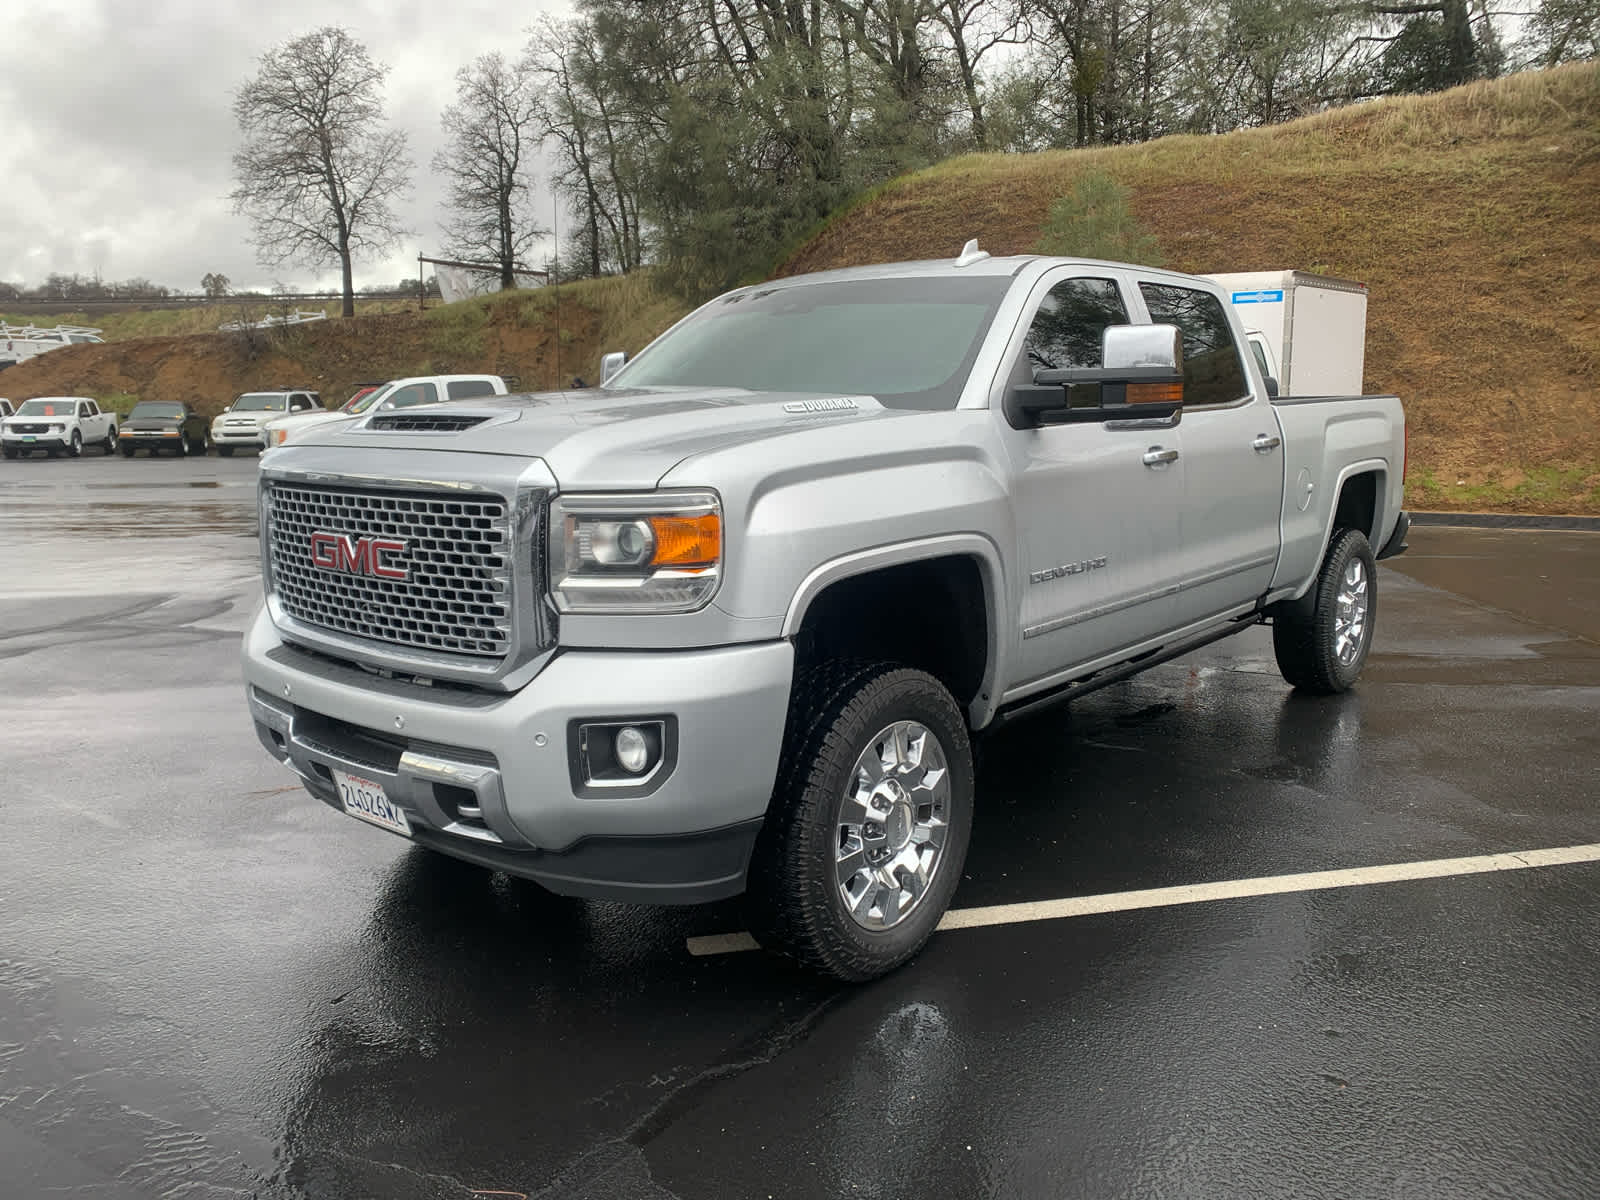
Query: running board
1093	683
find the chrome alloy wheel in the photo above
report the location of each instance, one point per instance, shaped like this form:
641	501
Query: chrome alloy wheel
893	821
1350	613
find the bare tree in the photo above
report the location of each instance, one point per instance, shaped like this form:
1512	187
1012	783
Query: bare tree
491	126
319	170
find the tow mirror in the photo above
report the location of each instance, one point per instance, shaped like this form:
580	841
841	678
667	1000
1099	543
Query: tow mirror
611	364
1142	377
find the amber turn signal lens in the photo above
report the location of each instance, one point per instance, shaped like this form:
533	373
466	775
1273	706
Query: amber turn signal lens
1155	393
687	541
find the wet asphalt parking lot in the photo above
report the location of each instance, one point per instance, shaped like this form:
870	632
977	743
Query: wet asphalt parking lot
213	985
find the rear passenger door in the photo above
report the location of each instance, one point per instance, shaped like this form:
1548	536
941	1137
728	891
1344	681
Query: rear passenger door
1233	457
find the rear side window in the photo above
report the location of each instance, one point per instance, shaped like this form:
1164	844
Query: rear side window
1213	372
1068	328
411	395
465	389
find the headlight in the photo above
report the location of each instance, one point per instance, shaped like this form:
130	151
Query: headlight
660	552
58	429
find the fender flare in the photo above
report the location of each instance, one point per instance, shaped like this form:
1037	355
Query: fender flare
992	577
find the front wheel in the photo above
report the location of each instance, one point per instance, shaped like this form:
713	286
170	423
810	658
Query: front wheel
129	451
75	447
225	451
111	442
1321	641
183	445
865	839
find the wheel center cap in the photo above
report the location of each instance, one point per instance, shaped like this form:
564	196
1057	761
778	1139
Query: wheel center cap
897	826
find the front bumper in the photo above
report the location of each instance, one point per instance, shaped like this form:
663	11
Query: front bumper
488	778
149	437
36	441
239	437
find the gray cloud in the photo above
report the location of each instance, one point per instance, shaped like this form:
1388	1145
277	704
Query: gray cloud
120	131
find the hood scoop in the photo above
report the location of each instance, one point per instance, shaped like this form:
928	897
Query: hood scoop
425	422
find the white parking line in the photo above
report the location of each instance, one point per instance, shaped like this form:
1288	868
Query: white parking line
1228	889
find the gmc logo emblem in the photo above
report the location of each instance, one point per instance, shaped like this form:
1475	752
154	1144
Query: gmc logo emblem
356	555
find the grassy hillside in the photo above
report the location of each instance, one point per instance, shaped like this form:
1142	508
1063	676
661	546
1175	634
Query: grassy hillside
516	334
1473	215
154	321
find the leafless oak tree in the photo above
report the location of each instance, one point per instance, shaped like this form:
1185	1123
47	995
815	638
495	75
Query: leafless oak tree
319	170
491	126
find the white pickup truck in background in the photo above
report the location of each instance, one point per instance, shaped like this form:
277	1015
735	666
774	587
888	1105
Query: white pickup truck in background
397	393
57	423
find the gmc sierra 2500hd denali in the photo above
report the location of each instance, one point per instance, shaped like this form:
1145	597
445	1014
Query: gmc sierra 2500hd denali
729	622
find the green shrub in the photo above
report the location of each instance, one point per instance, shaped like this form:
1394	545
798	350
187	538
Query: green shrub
1094	222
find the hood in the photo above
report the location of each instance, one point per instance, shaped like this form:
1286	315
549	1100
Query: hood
257	418
300	420
605	439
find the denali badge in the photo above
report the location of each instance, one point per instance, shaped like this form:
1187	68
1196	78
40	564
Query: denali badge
1072	568
357	555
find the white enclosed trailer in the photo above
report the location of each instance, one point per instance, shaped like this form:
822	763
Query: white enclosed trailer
1314	326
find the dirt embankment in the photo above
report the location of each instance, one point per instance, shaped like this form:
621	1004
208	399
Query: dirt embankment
332	357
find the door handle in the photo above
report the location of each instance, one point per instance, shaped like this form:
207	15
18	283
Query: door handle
1266	442
1157	457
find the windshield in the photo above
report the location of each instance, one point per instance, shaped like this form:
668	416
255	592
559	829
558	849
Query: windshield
909	342
47	408
360	403
260	402
151	409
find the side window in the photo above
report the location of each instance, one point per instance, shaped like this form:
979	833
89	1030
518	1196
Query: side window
85	410
465	389
1067	329
299	403
413	394
1213	372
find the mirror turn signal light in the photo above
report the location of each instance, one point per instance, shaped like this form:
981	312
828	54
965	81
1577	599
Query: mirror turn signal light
1155	393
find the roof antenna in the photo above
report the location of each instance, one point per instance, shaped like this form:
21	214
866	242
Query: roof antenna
971	254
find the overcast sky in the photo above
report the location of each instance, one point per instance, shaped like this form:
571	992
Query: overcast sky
118	131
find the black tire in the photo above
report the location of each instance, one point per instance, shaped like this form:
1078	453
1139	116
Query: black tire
183	444
129	451
111	442
75	446
225	451
1306	635
9	452
794	901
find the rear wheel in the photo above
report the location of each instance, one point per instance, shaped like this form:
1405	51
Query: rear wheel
1321	641
864	842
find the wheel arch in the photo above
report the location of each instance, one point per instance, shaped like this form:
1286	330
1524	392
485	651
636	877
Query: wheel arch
963	568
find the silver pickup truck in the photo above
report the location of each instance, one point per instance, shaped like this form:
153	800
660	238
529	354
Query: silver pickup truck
729	623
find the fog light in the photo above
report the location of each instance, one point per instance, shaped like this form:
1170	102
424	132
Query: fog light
633	749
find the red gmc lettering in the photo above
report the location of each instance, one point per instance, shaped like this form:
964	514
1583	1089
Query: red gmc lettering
358	556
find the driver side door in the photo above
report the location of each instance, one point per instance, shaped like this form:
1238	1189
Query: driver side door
1097	503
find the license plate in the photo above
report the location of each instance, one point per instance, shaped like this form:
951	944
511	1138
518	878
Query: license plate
364	800
29	438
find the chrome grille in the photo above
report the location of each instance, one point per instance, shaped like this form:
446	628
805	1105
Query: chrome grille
456	594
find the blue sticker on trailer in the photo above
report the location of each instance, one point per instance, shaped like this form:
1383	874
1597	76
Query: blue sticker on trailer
1272	297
